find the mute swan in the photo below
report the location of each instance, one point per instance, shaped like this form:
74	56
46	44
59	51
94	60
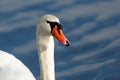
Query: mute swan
13	69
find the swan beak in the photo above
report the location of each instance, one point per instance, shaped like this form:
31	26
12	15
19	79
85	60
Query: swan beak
58	33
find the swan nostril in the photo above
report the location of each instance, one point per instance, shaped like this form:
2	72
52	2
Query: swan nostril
67	43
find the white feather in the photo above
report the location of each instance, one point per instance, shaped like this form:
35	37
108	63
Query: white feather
13	69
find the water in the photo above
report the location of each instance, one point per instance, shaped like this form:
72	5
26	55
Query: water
93	28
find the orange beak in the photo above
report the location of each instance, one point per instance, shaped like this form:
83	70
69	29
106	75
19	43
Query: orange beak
58	33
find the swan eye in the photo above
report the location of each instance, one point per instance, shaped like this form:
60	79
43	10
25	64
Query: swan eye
53	24
48	21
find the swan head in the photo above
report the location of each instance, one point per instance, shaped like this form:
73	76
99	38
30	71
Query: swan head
50	25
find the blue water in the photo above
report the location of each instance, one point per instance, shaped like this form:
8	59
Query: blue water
92	26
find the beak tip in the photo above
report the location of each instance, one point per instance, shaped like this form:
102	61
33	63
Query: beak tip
67	43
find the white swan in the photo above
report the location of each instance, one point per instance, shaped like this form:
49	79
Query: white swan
13	69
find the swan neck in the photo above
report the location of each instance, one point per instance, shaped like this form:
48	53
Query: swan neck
46	57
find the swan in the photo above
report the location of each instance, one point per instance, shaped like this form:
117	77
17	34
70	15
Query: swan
48	27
